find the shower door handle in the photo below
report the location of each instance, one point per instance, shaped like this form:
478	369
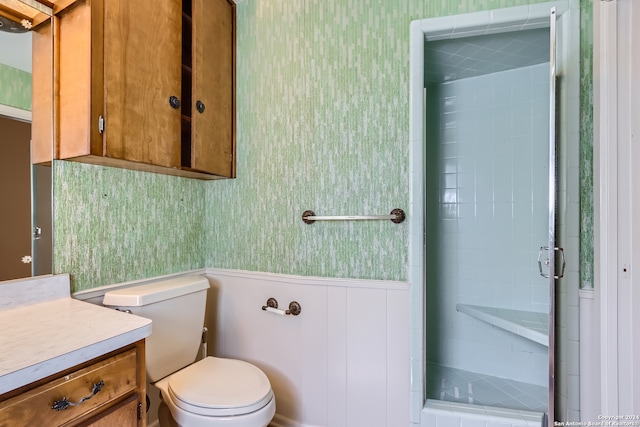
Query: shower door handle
547	262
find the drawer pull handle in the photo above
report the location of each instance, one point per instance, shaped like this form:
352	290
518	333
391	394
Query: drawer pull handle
62	404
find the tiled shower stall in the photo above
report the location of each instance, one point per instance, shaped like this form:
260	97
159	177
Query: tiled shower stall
481	161
486	217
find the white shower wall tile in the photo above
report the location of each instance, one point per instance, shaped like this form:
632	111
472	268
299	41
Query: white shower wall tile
469	422
573	297
573	353
573	330
573	399
493	184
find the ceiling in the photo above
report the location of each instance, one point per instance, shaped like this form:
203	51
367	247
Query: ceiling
459	58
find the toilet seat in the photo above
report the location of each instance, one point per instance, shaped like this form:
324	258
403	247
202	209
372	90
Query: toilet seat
219	387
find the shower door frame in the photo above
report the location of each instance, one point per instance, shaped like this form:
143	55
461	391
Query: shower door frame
520	17
553	185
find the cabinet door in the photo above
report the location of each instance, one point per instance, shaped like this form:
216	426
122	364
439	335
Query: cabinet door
213	138
125	414
142	70
42	101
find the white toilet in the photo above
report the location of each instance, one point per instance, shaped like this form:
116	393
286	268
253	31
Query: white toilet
211	392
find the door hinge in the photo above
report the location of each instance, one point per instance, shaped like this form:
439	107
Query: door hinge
139	410
101	124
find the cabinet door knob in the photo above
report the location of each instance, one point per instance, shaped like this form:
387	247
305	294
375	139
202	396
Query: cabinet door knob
174	102
200	106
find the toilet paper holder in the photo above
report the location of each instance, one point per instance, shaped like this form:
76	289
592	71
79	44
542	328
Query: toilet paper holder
272	306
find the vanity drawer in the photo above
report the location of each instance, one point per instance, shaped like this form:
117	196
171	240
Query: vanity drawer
34	407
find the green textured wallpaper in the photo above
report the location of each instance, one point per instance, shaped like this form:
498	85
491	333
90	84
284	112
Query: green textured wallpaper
114	225
323	125
586	144
15	87
323	117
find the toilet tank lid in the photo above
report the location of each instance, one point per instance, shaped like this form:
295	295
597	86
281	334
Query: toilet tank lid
153	292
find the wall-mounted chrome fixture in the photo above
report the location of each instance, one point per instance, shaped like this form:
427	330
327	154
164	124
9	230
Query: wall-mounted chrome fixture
272	306
396	216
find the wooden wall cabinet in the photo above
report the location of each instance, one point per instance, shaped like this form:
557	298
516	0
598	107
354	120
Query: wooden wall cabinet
41	95
147	85
120	401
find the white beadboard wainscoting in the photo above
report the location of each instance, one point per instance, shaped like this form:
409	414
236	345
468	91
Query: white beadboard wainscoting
344	361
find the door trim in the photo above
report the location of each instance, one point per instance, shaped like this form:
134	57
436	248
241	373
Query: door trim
15	113
606	200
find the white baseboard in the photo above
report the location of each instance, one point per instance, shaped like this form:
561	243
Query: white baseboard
278	421
282	421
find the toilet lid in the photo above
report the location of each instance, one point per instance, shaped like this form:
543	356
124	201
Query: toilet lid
216	387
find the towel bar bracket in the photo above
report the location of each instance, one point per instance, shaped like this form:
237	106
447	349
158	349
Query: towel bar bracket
399	216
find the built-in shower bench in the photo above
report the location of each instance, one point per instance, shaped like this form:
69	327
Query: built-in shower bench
531	325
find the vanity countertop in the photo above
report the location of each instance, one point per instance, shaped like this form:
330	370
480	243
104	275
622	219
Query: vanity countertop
45	331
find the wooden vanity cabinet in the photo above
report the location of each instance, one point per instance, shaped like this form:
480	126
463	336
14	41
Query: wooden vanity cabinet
120	400
148	85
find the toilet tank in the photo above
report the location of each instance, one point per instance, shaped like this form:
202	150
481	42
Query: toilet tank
176	308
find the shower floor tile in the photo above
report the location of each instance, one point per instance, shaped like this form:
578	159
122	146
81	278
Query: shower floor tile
457	385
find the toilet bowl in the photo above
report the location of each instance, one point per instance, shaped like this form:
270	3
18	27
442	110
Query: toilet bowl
218	392
213	392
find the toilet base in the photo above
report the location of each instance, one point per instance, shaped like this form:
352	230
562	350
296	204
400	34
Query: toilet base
165	419
259	418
